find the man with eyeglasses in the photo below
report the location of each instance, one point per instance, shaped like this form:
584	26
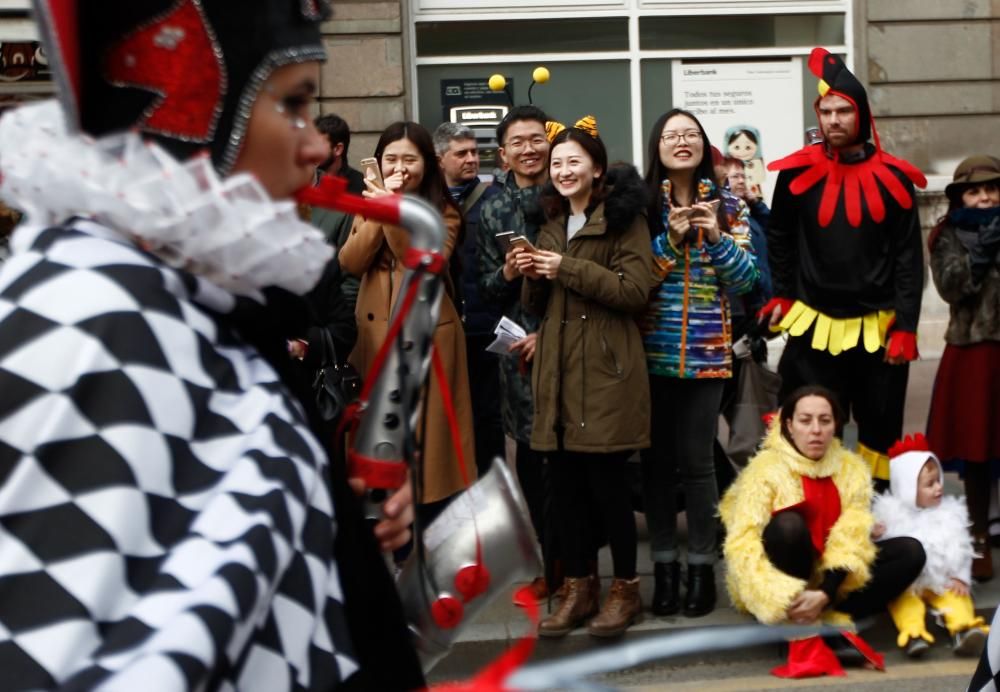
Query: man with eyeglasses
525	150
847	266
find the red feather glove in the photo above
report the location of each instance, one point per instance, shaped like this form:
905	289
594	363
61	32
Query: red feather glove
902	344
784	303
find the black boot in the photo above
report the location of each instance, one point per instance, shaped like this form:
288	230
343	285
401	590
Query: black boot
666	588
700	597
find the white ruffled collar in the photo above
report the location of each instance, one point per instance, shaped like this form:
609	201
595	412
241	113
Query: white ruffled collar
228	231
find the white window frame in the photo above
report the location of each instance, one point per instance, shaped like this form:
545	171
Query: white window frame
633	10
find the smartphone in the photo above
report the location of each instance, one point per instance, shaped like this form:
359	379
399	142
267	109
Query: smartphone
521	241
713	204
373	174
503	238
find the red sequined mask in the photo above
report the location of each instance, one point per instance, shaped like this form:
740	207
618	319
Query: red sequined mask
177	57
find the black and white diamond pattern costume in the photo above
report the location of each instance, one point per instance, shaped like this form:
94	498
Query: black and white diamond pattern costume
165	518
987	675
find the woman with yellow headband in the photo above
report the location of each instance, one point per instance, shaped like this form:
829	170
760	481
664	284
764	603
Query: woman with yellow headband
589	275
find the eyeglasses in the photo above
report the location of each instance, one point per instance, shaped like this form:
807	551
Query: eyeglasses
518	144
673	138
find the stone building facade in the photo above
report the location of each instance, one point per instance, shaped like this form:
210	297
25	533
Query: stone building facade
365	79
932	68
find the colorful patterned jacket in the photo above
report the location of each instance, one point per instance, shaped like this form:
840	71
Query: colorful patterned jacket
687	329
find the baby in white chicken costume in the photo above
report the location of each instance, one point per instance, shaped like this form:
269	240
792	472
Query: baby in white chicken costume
916	506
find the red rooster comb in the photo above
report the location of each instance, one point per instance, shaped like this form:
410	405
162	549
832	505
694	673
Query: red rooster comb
911	443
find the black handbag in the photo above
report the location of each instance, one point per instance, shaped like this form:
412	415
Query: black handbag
337	385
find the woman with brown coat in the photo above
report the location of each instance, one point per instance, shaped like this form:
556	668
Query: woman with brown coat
373	250
965	265
589	275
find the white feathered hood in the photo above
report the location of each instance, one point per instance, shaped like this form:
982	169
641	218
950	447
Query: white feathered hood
904	470
943	531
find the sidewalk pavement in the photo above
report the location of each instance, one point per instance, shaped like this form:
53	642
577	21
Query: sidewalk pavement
502	623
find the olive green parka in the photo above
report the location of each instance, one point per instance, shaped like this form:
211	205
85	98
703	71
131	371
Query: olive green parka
589	377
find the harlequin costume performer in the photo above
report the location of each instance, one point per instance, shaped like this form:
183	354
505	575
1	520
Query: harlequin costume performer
914	506
167	516
844	243
793	524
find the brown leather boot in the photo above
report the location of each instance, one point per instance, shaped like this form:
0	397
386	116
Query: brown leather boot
621	608
578	605
595	590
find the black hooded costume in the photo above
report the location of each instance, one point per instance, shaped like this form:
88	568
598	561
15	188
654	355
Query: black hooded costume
847	267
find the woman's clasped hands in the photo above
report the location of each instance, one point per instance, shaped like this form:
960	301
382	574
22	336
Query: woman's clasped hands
700	215
805	608
533	264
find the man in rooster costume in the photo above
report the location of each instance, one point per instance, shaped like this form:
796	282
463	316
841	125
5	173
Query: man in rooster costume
844	241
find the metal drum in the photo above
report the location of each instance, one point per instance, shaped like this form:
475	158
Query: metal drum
494	508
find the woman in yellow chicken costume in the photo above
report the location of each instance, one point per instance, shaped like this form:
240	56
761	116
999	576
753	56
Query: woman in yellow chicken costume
798	535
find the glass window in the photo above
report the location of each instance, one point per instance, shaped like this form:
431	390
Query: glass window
534	36
575	89
744	31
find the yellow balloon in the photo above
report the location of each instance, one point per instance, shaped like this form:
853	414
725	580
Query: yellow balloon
497	82
541	75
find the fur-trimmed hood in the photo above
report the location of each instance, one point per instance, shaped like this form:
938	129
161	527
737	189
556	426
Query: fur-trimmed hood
627	198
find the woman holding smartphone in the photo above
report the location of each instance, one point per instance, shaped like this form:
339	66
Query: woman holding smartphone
701	249
589	275
373	251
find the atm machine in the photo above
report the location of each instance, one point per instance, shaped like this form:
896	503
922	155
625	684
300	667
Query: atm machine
483	119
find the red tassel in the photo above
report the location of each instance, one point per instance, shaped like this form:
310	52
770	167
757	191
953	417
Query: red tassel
807	178
909	170
871	655
893	186
852	198
809	658
831	192
872	194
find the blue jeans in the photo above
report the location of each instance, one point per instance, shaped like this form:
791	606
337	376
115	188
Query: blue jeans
684	419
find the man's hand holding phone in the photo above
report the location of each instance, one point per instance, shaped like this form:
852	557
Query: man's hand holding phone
523	261
517	258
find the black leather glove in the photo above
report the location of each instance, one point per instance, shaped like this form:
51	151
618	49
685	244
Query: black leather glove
983	254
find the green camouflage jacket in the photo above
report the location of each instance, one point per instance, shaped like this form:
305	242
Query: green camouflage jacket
513	209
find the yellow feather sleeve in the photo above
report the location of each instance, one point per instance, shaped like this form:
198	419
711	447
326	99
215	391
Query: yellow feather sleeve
849	545
754	584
